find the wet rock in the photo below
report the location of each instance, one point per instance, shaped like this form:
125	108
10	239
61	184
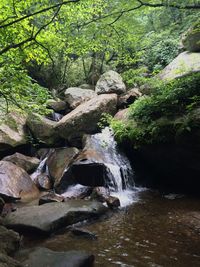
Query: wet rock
50	217
77	192
2	203
43	182
82	233
100	193
57	105
29	164
84	118
11	241
12	131
113	202
43	152
50	197
42	257
110	82
186	63
43	129
128	98
75	96
59	161
15	183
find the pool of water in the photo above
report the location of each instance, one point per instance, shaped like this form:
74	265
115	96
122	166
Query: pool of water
156	230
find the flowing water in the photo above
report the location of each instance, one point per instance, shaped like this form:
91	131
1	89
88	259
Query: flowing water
150	229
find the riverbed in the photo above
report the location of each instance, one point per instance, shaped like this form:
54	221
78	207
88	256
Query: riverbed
155	230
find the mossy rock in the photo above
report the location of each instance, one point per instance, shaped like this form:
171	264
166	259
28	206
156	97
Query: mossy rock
191	39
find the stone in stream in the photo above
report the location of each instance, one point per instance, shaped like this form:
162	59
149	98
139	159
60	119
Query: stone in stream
58	105
113	202
15	183
43	182
58	162
84	119
103	194
29	164
50	197
82	233
43	257
50	217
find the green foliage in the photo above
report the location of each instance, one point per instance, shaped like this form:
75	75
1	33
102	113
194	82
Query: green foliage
163	115
18	90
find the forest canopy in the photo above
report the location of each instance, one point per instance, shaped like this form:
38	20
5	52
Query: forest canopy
50	44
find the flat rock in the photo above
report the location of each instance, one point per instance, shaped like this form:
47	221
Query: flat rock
43	257
29	164
15	182
50	217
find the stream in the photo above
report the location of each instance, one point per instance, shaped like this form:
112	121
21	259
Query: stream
150	228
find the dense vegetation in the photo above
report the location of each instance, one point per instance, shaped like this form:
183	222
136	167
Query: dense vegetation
55	44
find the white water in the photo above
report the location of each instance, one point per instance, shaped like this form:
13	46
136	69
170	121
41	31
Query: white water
42	168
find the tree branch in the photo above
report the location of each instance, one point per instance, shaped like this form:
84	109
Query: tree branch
38	12
196	6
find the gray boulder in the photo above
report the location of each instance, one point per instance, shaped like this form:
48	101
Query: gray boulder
84	118
58	162
12	131
29	164
50	217
75	96
191	39
15	183
43	257
110	82
186	63
43	129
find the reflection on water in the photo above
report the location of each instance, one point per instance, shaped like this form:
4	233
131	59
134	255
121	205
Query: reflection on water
155	231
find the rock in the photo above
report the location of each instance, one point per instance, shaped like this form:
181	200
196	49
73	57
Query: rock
50	217
82	233
110	82
100	193
43	182
29	164
58	105
76	192
43	152
2	203
128	98
87	86
191	39
75	96
59	161
113	202
84	118
43	257
122	115
43	129
12	131
186	63
15	183
50	197
6	261
11	241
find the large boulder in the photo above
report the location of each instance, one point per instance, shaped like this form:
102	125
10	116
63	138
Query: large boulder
110	82
12	131
58	162
75	96
43	129
15	183
29	164
84	118
43	257
191	39
186	63
125	100
50	217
